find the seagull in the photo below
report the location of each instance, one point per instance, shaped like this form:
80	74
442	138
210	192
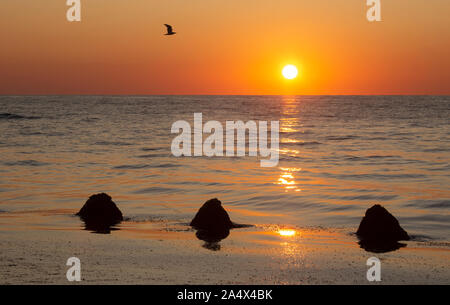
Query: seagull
169	30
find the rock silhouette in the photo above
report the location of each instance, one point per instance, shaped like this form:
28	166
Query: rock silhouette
212	217
213	224
379	231
99	213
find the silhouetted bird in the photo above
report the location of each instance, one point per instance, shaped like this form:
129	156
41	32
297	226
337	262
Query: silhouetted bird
169	30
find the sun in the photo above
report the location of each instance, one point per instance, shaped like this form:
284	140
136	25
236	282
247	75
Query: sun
290	72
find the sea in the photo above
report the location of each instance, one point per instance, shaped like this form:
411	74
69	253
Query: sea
338	156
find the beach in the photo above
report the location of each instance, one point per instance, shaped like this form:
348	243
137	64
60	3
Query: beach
159	252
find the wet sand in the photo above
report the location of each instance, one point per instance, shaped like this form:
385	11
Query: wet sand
162	252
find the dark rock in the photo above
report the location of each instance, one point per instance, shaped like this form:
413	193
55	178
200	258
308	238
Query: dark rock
100	213
212	217
213	224
379	231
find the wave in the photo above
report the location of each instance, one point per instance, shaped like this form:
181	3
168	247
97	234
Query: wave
341	138
437	149
442	219
373	176
365	197
142	166
373	157
151	148
309	143
433	204
12	116
376	138
164	165
30	133
89	120
133	166
201	183
153	156
25	163
114	143
157	189
337	207
143	218
438	244
444	168
300	143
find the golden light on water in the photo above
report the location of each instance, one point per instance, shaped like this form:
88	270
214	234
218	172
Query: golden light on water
287	179
286	232
290	169
286	182
287	175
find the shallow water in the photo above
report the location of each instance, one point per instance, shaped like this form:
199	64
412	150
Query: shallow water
338	156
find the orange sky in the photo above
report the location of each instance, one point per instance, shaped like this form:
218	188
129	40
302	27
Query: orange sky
224	47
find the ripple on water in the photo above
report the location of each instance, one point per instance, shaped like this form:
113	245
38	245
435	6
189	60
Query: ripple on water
25	163
143	166
363	197
429	203
113	143
158	189
12	116
149	156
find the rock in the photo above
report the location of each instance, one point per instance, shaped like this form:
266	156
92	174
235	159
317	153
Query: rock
213	224
212	217
100	213
379	231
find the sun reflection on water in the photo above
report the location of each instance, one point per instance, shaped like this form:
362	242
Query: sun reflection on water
287	232
287	179
290	246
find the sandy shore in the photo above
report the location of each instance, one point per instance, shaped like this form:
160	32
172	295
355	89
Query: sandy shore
160	252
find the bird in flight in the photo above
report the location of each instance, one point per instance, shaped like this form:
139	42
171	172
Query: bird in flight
169	30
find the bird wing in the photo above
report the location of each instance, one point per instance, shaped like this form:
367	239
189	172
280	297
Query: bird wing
169	28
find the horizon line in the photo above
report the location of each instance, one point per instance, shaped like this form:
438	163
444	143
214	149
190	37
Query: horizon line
187	94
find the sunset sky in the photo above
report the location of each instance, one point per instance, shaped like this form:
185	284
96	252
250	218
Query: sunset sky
224	47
